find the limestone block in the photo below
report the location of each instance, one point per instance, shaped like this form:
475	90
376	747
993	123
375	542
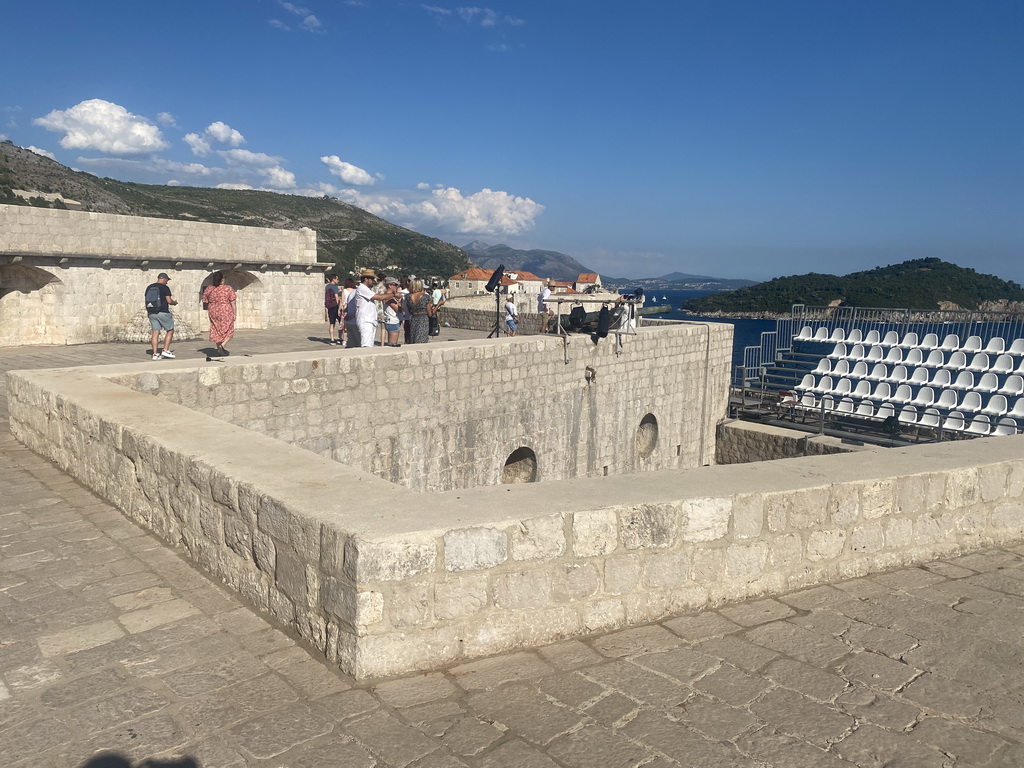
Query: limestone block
911	494
992	481
825	545
383	655
460	596
521	590
877	499
388	559
272	517
469	549
622	574
575	581
785	550
748	516
648	526
539	538
264	552
603	614
409	604
1009	517
594	532
666	570
745	561
899	533
290	575
706	519
867	539
962	488
708	565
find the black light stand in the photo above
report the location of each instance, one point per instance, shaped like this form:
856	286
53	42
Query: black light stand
493	285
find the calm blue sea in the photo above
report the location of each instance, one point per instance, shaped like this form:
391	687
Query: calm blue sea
746	332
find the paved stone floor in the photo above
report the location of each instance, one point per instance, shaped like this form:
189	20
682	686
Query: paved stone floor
110	641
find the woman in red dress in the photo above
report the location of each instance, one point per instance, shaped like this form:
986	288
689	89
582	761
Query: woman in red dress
219	301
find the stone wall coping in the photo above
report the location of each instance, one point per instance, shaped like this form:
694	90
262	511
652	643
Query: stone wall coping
310	485
154	263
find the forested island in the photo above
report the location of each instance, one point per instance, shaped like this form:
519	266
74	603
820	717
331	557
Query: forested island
925	284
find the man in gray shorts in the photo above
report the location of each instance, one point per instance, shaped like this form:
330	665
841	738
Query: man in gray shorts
158	305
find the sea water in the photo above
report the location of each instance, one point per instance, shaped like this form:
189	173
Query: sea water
746	333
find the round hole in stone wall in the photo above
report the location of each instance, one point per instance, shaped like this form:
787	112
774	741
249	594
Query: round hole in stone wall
520	467
647	436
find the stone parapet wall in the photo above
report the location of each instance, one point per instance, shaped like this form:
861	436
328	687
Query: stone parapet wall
384	580
740	442
483	320
27	230
68	277
445	417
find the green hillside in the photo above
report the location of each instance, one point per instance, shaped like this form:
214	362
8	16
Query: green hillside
347	236
916	284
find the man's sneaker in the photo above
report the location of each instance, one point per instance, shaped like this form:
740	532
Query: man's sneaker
168	354
338	341
157	357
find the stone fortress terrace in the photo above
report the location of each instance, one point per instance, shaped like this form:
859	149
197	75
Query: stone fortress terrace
371	504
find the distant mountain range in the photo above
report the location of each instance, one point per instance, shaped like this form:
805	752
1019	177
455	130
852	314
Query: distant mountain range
926	284
562	267
347	236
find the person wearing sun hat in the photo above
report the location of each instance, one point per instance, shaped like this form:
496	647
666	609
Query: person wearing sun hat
362	308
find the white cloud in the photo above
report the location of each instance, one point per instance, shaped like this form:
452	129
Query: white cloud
264	165
474	15
446	209
484	16
105	127
218	132
423	185
347	172
200	146
233	186
309	22
39	151
166	118
277	23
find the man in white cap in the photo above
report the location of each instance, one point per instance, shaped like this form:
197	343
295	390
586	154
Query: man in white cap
158	307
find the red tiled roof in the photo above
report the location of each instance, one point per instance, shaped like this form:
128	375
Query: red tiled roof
524	275
474	273
587	277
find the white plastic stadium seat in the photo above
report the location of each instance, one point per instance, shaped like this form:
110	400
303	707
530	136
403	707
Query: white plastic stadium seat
979	363
909	340
841	368
855	336
899	374
859	370
806	383
913	356
995	345
885	410
842	387
1016	347
988	382
876	355
1002	364
805	333
942	378
891	339
908	415
929	342
1005	427
821	334
1013	386
963	380
894	356
980	425
824	385
824	366
971	402
948	399
845	406
1017	410
955	422
973	344
866	409
838	351
996	406
904	394
919	377
862	390
872	337
882	391
930	419
925	397
838	334
957	361
951	343
936	359
808	402
879	372
856	352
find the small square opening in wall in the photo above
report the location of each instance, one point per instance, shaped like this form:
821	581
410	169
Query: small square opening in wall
606	471
679	450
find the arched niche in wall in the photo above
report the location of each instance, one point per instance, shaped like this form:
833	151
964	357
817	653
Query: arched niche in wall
647	436
520	467
248	296
30	306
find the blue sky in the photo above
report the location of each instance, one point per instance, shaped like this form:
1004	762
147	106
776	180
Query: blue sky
732	138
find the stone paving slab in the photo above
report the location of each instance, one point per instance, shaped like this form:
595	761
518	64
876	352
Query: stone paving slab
110	641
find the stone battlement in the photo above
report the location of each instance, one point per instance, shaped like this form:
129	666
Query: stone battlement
383	579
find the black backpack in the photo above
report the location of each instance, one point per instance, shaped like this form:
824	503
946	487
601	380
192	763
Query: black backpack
153	298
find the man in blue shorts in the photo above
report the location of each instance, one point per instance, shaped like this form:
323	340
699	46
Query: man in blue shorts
158	305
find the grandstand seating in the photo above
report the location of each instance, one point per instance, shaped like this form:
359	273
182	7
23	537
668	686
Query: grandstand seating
974	388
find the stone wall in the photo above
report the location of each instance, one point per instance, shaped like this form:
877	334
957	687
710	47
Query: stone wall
384	580
740	442
439	418
68	277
